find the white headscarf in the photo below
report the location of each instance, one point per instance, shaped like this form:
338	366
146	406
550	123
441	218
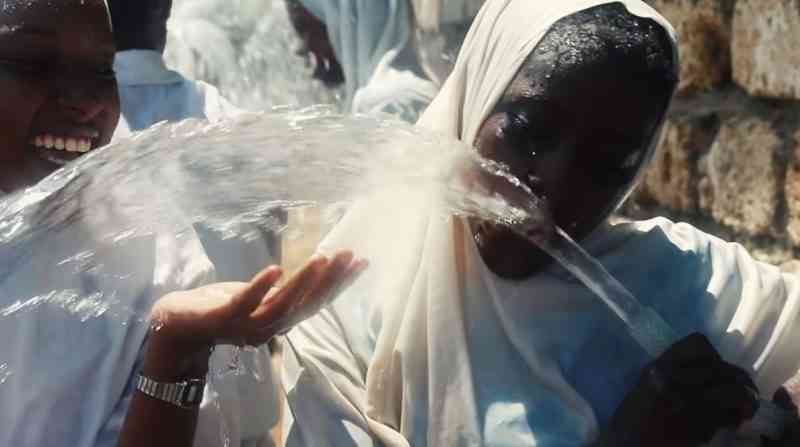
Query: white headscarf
429	347
367	36
486	66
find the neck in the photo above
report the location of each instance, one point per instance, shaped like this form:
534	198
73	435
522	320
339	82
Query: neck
147	38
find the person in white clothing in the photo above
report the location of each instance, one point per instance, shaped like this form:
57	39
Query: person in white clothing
462	333
366	47
74	333
149	91
440	27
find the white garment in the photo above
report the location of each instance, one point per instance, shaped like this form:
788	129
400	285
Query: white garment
429	348
73	339
151	93
367	37
431	14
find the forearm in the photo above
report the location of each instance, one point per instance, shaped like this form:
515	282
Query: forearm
153	422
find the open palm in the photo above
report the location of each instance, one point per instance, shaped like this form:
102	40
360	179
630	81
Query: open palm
250	313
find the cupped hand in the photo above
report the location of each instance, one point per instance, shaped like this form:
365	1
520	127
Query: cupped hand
684	398
788	398
186	325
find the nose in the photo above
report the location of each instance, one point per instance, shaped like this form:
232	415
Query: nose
81	98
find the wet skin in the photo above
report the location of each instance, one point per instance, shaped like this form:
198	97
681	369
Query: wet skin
314	36
578	134
56	78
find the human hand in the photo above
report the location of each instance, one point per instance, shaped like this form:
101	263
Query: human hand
684	398
788	398
186	325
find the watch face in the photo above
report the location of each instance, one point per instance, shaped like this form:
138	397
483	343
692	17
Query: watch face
193	393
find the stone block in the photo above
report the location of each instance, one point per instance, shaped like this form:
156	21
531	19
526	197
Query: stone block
704	29
793	192
739	185
670	181
766	55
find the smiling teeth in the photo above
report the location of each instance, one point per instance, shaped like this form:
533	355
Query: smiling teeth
81	145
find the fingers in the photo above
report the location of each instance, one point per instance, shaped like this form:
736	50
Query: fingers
330	278
702	390
291	294
299	302
296	303
353	272
247	300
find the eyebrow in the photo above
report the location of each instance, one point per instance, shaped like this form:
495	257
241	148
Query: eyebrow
508	102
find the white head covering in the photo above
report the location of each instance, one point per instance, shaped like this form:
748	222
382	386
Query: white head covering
367	36
430	348
486	66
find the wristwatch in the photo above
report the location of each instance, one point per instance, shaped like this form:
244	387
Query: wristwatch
186	394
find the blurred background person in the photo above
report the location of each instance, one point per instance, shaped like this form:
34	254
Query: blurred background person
365	46
439	29
149	91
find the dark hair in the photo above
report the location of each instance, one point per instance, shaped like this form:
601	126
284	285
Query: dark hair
140	24
612	34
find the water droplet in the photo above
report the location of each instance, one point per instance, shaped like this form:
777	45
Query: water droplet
5	373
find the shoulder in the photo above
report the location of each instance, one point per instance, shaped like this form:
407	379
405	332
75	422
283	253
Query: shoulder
651	238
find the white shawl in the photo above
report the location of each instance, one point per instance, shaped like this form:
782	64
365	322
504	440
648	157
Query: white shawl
430	348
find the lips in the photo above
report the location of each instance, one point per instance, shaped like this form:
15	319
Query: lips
61	147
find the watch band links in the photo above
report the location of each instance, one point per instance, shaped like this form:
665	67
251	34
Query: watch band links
186	394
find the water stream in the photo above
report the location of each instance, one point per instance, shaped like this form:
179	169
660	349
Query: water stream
234	177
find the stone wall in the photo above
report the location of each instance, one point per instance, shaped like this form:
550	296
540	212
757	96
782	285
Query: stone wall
729	157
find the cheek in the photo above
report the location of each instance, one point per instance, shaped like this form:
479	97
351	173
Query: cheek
583	202
20	100
110	99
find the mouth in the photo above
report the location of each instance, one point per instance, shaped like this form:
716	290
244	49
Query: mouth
62	147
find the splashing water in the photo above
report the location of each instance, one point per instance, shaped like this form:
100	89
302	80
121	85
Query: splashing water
236	175
87	220
247	48
5	373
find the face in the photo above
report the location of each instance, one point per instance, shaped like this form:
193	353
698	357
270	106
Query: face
58	94
577	137
316	43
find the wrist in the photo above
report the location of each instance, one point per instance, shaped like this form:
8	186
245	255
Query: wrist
169	360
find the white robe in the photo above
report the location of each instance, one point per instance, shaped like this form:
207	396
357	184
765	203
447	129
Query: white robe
150	93
73	340
429	348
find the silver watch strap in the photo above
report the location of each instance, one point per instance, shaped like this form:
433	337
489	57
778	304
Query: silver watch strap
186	394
